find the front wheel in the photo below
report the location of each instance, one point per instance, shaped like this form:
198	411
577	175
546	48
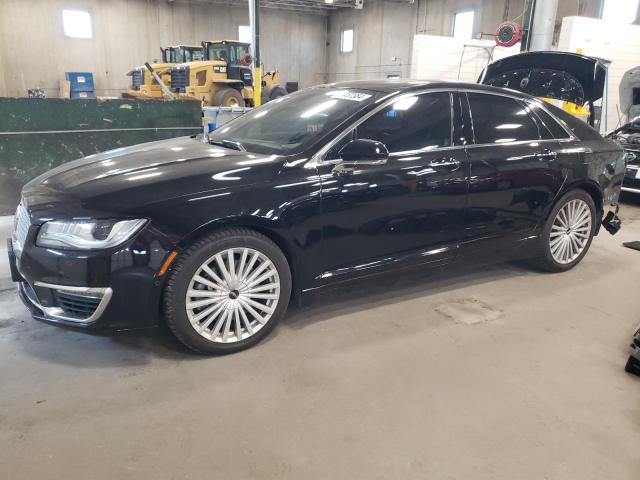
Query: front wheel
567	233
228	97
227	291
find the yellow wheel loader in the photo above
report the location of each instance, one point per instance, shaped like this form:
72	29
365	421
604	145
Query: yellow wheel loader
224	78
143	85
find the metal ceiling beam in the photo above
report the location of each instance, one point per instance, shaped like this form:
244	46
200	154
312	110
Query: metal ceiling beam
310	6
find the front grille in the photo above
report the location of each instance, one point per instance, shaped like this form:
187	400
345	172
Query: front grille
21	225
76	305
137	79
82	305
179	79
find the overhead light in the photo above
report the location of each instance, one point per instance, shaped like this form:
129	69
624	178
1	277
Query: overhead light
328	2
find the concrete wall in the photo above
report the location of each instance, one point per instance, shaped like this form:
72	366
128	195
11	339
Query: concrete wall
382	30
436	17
385	29
34	52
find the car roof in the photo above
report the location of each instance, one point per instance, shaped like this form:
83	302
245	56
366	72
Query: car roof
403	86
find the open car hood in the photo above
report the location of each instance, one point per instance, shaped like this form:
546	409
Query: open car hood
558	75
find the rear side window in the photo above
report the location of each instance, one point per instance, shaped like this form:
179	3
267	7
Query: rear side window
420	122
552	125
498	119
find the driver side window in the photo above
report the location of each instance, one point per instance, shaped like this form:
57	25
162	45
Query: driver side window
416	122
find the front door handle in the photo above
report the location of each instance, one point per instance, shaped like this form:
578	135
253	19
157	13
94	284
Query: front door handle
344	168
446	163
547	154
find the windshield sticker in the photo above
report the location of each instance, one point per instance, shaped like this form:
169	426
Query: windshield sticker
349	95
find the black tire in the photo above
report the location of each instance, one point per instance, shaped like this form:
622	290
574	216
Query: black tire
632	366
543	258
276	92
228	97
271	93
188	263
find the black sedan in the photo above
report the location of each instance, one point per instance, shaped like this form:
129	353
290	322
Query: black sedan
628	136
327	185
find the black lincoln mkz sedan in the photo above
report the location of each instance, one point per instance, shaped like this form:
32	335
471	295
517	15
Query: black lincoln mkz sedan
326	185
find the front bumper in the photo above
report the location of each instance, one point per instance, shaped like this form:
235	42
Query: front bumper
107	290
70	305
631	182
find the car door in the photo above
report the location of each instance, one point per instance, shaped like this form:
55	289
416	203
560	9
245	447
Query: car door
513	173
408	209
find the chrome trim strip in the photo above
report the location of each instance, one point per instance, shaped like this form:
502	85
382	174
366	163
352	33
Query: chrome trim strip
57	313
632	190
509	144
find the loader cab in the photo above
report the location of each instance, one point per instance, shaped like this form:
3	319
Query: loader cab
235	54
182	54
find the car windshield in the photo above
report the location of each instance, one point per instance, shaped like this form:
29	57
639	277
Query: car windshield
290	124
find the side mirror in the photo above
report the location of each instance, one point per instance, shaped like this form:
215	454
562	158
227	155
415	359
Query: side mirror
364	151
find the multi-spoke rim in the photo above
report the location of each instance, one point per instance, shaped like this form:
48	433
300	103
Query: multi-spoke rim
570	232
233	295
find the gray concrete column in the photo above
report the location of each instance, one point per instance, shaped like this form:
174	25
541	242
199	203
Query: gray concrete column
544	21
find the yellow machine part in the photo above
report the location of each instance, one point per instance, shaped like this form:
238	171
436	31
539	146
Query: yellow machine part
150	88
272	78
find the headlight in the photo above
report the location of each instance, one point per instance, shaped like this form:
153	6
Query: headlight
87	235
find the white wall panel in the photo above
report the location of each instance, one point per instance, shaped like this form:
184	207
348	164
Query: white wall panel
612	41
446	58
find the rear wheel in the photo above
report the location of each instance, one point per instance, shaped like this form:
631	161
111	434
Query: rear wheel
228	97
227	291
568	232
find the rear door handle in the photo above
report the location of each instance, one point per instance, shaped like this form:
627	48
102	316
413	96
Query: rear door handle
547	155
446	163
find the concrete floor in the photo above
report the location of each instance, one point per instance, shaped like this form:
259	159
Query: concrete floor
487	373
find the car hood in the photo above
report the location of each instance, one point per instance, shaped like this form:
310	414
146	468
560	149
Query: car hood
558	75
129	178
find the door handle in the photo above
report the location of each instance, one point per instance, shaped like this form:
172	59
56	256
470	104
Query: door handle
547	154
343	168
446	163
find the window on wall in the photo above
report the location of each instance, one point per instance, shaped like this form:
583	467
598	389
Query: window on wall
346	41
244	33
463	25
622	11
77	24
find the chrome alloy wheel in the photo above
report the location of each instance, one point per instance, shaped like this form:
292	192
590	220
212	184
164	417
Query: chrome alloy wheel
570	232
233	295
